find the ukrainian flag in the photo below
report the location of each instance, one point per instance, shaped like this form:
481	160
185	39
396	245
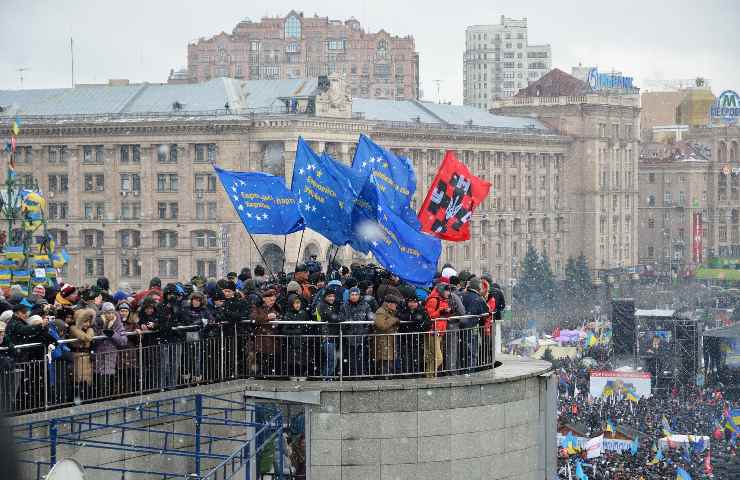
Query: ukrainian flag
631	394
733	420
14	252
41	260
5	274
21	276
608	389
682	474
610	426
39	281
51	272
666	426
59	259
33	202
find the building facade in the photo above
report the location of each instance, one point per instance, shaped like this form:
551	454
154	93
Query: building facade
600	178
133	195
498	61
377	65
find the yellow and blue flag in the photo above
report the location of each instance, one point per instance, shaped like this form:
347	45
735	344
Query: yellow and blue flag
16	126
732	421
682	474
21	276
262	202
610	426
580	475
14	253
59	258
394	176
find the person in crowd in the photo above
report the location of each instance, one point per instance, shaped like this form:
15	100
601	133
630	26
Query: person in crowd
358	312
7	372
103	286
328	312
20	330
386	324
416	324
83	332
366	290
200	319
265	345
438	308
297	345
259	276
154	290
170	337
108	325
477	311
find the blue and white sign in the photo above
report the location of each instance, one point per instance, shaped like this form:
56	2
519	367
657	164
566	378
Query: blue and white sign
727	106
608	81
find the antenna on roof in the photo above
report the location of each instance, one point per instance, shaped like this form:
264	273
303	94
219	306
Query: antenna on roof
20	74
72	52
438	83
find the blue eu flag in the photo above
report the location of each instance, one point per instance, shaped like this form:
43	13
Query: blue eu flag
263	202
399	247
394	177
326	192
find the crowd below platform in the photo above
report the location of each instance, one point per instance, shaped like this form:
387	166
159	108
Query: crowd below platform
359	322
648	424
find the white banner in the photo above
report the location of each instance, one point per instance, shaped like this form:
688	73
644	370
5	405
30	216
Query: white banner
594	447
618	382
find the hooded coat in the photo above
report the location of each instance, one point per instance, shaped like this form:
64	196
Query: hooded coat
386	324
106	356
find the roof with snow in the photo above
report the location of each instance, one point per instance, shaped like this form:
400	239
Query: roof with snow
120	99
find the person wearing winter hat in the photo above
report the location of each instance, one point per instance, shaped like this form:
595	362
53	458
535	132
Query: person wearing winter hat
107	324
386	325
328	311
357	311
475	306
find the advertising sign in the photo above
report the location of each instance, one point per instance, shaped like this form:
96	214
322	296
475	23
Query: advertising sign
727	106
608	81
696	240
606	383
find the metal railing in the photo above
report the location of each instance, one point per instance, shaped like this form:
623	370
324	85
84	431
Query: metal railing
221	352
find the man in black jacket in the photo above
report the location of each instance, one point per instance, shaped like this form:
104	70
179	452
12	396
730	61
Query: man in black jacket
356	310
476	307
19	332
169	316
415	322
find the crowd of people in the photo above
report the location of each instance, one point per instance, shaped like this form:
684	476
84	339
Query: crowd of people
689	410
284	325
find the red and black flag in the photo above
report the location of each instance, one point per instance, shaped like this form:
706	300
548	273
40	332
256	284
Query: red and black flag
452	197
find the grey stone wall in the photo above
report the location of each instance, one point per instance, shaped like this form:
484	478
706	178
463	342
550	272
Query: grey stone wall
478	431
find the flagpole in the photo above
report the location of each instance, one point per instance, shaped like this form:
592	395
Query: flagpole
300	244
261	256
285	243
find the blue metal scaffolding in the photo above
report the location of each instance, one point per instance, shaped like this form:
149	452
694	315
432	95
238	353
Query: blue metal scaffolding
207	456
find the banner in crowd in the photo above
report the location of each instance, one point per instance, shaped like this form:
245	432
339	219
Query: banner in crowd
451	199
607	444
607	383
393	175
326	191
262	201
594	446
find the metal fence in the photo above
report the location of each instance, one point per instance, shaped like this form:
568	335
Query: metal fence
323	351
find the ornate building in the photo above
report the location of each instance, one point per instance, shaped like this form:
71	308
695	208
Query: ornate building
600	176
132	194
377	65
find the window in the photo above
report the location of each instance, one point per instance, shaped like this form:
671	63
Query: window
94	210
166	239
167	210
58	210
205	152
59	183
130	182
93	154
130	267
292	27
129	239
206	210
94	267
57	154
682	198
23	154
205	182
92	238
130	210
130	153
60	237
651	251
167	182
205	268
94	182
651	200
651	222
667	199
204	239
167	153
168	267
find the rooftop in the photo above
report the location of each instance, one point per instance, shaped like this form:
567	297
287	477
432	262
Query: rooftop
231	97
682	151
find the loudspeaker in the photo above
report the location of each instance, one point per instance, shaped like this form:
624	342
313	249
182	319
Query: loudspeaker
623	326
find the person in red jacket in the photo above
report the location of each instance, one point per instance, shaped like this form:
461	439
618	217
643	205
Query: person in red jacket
438	307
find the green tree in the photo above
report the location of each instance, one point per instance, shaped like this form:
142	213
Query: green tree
529	279
547	280
584	274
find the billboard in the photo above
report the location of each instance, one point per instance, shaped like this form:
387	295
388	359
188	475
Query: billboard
606	383
727	107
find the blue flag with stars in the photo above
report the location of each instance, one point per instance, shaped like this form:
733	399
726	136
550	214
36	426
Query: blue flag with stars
394	177
262	201
399	247
326	191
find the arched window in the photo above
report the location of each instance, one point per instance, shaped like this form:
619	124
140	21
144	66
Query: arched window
733	152
273	256
129	238
292	27
91	238
60	237
721	152
204	239
166	238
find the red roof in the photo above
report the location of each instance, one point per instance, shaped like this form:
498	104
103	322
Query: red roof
555	83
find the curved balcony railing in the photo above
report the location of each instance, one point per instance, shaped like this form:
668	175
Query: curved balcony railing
193	355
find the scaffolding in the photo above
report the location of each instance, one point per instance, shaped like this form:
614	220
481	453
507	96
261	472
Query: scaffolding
158	441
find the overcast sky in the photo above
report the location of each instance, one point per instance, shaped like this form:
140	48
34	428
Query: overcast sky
142	39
